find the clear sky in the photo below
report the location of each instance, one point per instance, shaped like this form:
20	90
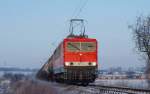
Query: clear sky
31	29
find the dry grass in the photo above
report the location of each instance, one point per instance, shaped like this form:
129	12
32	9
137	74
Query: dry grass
30	87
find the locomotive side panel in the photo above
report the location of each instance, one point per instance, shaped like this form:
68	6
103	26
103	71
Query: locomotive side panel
43	72
58	64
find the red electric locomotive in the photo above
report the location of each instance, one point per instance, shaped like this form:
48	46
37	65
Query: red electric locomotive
75	60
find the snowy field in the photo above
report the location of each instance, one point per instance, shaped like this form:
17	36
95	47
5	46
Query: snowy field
1	74
74	89
35	86
15	72
39	87
133	83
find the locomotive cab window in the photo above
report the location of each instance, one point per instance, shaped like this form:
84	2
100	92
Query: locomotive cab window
88	46
73	46
81	46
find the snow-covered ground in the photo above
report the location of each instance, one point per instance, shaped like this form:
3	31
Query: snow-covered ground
5	86
58	88
1	73
15	72
74	89
133	83
32	86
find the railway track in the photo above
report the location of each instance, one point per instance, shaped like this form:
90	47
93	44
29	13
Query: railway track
119	90
90	89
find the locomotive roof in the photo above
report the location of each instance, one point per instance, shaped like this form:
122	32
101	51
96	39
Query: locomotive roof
79	38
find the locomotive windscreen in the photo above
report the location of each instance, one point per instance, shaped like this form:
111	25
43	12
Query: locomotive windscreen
81	46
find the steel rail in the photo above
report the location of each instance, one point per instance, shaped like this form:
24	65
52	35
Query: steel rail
120	90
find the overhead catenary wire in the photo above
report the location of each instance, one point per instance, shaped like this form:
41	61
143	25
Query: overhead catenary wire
76	20
79	9
76	9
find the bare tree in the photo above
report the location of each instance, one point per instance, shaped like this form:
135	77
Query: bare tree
141	31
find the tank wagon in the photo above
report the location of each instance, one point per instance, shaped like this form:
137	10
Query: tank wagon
75	60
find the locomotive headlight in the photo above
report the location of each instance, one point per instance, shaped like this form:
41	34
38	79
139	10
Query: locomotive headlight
93	63
67	63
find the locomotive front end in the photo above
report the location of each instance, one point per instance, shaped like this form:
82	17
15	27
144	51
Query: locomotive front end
80	60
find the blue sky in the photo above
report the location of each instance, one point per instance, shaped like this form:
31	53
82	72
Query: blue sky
31	29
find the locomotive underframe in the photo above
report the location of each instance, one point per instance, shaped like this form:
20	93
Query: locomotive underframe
77	75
